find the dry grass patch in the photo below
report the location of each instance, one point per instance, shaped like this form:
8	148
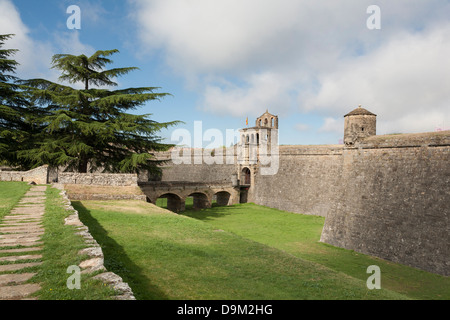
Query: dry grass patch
116	190
126	206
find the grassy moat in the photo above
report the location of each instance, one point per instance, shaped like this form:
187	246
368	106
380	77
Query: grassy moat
241	252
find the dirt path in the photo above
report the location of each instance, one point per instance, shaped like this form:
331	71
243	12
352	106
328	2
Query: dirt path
20	245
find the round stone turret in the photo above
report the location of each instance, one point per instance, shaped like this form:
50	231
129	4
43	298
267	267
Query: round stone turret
359	124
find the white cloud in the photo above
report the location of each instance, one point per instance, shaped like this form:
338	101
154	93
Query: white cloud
262	91
405	79
69	42
333	125
246	56
34	57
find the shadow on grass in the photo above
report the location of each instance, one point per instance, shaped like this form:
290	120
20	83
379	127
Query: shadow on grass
215	212
116	259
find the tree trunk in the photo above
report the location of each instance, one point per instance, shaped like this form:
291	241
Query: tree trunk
83	165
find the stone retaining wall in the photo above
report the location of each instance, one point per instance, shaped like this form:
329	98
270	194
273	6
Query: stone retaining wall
95	253
38	175
106	197
99	179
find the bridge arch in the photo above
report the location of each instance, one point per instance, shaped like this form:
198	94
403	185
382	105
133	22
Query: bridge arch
176	193
223	198
201	200
174	202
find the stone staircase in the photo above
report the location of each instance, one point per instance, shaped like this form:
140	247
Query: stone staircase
21	246
20	242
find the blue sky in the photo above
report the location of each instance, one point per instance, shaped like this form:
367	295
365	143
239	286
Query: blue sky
309	62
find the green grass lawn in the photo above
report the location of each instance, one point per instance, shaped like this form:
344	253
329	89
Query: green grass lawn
299	235
60	250
241	252
10	194
61	247
162	255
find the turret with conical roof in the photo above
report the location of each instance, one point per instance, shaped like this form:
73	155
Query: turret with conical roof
359	124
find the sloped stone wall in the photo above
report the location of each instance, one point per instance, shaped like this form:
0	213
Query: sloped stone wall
38	175
394	200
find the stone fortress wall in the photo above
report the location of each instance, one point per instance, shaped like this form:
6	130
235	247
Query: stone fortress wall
386	196
394	200
307	181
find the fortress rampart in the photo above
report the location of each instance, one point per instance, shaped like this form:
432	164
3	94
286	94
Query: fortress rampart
387	196
394	200
307	181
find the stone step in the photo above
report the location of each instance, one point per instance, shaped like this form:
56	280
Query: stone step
15	224
21	243
21	235
14	241
20	223
15	278
26	215
18	258
38	188
22	219
27	210
21	230
22	227
31	249
23	216
28	205
18	291
18	266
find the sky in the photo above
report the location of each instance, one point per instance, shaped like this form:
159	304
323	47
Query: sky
309	62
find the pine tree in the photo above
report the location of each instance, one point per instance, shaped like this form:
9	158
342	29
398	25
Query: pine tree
91	129
17	115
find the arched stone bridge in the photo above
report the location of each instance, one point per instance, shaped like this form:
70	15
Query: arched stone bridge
203	193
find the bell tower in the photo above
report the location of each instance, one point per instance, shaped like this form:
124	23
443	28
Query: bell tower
254	147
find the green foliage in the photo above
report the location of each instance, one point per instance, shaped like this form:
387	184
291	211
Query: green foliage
42	122
16	113
91	128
